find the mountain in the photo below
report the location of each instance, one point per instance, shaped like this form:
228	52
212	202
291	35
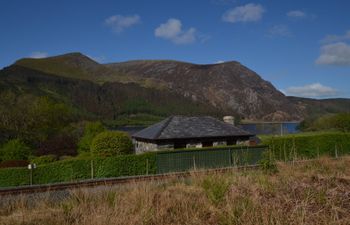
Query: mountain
158	87
106	101
228	86
78	66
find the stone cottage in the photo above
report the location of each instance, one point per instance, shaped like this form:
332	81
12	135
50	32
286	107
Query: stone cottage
188	132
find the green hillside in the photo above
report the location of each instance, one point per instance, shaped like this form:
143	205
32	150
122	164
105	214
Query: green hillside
79	66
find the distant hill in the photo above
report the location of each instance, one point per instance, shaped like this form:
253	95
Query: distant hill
318	107
159	87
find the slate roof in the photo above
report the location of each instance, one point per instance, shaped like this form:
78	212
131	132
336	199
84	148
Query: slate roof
181	127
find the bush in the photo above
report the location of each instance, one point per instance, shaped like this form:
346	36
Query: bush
111	143
14	150
14	163
45	159
215	188
90	131
268	163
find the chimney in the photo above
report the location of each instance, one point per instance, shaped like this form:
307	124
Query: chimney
229	120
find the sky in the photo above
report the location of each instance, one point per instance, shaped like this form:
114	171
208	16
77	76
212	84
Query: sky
301	47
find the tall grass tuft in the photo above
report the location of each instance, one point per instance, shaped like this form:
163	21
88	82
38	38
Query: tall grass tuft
315	193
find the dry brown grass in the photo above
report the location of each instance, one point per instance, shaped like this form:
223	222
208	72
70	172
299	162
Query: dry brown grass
310	193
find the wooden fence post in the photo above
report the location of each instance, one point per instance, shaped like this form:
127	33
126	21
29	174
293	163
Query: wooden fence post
92	169
194	163
336	151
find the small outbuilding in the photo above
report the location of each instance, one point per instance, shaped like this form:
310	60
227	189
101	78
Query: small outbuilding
188	132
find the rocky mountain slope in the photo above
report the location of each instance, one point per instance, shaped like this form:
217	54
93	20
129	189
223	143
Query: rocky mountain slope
228	86
158	87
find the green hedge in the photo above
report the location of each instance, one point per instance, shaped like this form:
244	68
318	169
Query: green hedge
14	177
80	168
127	165
309	145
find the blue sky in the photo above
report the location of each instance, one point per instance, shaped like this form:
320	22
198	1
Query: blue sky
302	47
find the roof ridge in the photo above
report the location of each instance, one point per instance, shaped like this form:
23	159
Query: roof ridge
164	125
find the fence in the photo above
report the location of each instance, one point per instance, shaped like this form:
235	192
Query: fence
132	165
182	160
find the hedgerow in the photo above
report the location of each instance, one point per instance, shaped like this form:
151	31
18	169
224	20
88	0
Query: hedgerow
309	146
80	168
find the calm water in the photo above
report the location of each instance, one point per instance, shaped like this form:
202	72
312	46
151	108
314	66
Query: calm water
271	128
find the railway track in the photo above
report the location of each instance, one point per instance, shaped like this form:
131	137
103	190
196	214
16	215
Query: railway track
111	181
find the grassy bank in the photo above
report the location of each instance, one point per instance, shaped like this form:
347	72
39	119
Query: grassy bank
311	193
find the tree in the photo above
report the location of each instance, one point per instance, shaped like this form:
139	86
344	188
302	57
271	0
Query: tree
47	118
340	121
111	143
90	131
32	118
14	150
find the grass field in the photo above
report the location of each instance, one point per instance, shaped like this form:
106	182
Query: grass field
316	192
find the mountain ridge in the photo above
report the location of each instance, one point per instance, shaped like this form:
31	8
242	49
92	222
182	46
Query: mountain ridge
229	87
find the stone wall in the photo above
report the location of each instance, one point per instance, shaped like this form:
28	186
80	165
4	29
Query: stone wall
141	147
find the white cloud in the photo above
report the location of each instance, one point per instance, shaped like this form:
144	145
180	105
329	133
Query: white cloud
336	38
296	14
279	30
334	54
38	55
315	90
172	30
118	22
246	13
219	62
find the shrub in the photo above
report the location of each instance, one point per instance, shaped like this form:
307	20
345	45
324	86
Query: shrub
14	150
111	143
45	159
215	188
90	131
14	163
268	163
